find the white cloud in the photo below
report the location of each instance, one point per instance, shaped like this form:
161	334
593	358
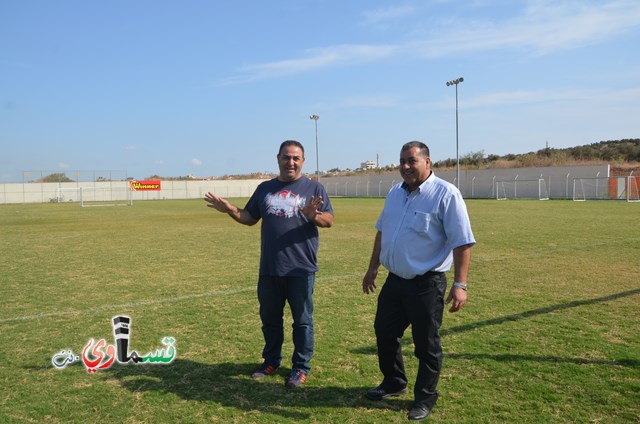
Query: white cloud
63	165
196	162
130	148
542	28
381	17
527	97
316	59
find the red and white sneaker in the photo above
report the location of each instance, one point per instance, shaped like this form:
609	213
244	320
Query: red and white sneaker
295	379
264	370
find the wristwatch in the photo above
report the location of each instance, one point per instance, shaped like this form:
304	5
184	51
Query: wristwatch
462	286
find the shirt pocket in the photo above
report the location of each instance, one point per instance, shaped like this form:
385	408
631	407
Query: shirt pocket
420	222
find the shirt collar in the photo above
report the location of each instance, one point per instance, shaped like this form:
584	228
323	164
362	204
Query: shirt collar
430	178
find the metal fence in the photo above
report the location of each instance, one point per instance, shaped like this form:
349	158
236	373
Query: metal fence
518	183
478	184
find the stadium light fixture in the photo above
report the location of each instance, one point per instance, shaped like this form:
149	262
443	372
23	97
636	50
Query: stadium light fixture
450	83
315	118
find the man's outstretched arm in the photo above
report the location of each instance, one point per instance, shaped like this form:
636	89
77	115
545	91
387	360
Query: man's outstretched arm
222	205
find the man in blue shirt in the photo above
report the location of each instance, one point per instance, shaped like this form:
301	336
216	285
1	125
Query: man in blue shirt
291	207
423	229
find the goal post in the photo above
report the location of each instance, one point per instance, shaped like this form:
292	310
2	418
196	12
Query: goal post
522	189
543	190
606	188
632	189
598	188
578	190
501	191
67	194
105	196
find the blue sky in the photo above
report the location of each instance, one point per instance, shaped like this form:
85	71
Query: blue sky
210	88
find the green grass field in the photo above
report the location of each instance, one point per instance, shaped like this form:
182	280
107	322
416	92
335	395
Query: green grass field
550	333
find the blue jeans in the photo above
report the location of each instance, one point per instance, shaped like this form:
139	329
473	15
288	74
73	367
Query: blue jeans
273	292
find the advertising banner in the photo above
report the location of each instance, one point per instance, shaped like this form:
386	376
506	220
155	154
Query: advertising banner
144	185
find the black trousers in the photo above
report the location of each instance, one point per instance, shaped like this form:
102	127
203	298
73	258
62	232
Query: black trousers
418	302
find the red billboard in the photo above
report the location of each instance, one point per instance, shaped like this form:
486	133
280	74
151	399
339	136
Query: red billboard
144	185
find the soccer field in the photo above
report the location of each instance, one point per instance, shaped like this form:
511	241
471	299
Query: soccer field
550	333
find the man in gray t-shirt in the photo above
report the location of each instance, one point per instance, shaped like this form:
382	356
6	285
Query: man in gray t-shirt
291	207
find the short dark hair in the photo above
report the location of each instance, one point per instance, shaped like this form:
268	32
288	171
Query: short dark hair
291	143
424	150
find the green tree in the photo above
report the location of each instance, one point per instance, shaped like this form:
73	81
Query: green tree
473	158
58	177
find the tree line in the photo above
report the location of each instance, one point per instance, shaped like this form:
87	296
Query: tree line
616	151
612	151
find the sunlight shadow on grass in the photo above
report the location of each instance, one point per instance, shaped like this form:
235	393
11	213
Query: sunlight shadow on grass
543	358
539	311
230	385
516	317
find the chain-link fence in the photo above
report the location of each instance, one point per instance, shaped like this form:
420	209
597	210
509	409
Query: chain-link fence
517	183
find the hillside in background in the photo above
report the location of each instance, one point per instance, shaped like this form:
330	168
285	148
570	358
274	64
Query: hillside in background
622	155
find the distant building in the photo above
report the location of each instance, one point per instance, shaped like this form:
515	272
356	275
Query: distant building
368	165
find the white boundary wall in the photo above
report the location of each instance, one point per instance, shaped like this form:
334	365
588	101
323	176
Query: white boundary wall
70	192
479	184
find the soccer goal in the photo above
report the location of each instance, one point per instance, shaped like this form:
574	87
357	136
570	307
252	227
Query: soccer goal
605	188
522	189
632	189
543	190
590	189
105	196
67	194
501	189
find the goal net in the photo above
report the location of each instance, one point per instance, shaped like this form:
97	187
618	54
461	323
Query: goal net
590	189
105	196
543	190
606	188
522	189
67	194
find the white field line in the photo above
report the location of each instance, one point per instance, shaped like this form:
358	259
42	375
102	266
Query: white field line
128	305
153	302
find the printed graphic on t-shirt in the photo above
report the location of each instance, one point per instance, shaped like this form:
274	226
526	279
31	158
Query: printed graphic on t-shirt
284	203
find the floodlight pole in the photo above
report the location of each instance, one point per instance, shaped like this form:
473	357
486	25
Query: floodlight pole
449	83
315	118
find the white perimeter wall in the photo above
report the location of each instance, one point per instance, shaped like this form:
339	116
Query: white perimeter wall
70	192
477	184
473	184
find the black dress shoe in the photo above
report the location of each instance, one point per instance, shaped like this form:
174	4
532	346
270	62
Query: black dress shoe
417	413
379	393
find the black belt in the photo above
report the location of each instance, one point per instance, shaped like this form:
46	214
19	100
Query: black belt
426	275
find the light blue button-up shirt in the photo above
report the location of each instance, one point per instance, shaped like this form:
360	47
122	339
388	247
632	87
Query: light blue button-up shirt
421	228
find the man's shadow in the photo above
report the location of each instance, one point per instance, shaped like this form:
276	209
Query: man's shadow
230	385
